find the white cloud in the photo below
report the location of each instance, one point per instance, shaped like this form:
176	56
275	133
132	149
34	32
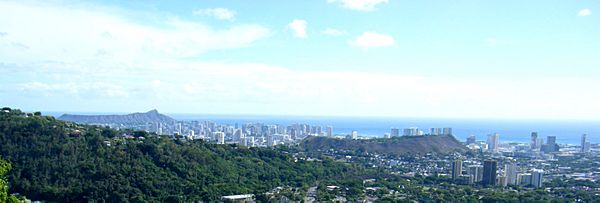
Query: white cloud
334	32
360	5
102	89
585	12
298	27
373	39
57	33
243	88
218	13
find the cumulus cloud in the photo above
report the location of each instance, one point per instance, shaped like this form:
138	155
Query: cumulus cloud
333	32
298	27
218	13
359	5
373	39
585	12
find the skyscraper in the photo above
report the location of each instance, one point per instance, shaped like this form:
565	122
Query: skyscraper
354	135
435	131
489	173
395	132
237	135
493	141
511	173
456	169
270	141
413	131
534	140
551	140
220	137
550	145
329	130
537	178
447	131
475	173
585	145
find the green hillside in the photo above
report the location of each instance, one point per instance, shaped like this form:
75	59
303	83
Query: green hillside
59	161
395	146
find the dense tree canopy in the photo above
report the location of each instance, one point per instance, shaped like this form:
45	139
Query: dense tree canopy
53	160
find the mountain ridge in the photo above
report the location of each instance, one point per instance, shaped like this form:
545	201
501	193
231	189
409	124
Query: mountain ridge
442	144
152	116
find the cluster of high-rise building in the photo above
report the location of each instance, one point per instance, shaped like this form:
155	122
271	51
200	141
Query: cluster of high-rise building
251	134
537	144
488	174
414	131
492	144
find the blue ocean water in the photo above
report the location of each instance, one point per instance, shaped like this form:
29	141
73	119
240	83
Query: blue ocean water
566	132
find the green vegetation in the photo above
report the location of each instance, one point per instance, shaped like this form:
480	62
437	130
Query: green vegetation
394	146
58	161
4	197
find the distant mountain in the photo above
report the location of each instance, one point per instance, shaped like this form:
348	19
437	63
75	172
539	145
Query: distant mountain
148	117
396	146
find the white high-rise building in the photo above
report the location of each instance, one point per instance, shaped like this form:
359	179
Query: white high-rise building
354	134
493	141
395	132
435	131
329	130
160	129
220	137
192	134
447	131
270	141
511	173
475	173
585	145
537	178
534	141
412	131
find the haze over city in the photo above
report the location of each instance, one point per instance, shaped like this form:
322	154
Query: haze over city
458	59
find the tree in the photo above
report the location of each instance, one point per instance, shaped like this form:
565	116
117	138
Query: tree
4	197
4	168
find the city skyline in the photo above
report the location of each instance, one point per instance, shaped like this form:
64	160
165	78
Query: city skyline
327	57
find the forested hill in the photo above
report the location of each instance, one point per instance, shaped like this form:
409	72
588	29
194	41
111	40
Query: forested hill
395	145
149	117
57	161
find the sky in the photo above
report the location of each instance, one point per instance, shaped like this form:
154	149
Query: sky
513	59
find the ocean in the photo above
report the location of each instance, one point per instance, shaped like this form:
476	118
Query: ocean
566	132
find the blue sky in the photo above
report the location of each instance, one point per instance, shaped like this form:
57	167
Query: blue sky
454	59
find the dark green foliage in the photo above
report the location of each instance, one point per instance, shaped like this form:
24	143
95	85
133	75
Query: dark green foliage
49	163
4	168
4	197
